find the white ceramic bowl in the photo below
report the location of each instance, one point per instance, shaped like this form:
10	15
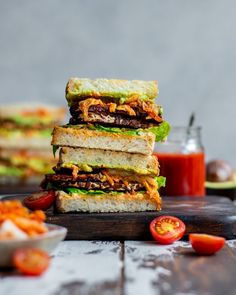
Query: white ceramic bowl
47	242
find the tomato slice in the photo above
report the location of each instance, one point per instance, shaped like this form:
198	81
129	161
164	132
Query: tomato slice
31	261
206	244
40	201
167	229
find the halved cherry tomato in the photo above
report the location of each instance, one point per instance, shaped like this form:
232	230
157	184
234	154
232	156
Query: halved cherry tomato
31	261
40	201
167	229
206	244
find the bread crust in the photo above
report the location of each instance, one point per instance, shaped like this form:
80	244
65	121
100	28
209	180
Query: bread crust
95	158
77	88
110	202
96	139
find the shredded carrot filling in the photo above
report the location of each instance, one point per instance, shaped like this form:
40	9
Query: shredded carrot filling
32	223
112	107
109	178
152	189
148	107
87	103
149	183
126	108
75	171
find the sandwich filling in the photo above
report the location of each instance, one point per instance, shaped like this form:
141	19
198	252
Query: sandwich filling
103	181
134	113
10	124
24	164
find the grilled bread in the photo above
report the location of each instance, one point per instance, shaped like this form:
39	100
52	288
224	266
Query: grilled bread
97	139
109	202
89	159
115	90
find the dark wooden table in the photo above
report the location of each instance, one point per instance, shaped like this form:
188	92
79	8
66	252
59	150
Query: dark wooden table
129	268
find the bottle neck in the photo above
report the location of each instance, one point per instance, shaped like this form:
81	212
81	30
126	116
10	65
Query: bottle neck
182	140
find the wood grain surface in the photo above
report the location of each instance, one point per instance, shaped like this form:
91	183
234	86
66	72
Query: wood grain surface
132	268
176	269
212	215
78	267
18	188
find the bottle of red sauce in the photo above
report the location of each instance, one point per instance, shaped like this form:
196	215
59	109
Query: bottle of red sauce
181	160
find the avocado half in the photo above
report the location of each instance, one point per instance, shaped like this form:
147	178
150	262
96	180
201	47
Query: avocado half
226	188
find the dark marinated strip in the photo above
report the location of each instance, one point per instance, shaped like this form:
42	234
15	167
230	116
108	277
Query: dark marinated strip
114	121
93	181
98	109
120	118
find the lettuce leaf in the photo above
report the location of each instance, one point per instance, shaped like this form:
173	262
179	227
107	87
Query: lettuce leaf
46	132
83	191
54	150
10	171
161	180
30	120
70	190
117	130
161	131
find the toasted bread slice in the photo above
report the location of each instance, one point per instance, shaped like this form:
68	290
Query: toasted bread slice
97	139
88	159
115	90
109	202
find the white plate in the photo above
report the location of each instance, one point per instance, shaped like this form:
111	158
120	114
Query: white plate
47	242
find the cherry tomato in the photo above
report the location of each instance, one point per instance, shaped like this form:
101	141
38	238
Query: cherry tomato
167	229
40	201
206	244
31	261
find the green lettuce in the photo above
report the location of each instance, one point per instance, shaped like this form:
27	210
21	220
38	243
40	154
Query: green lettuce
29	120
115	129
10	171
54	150
46	132
161	181
161	131
75	190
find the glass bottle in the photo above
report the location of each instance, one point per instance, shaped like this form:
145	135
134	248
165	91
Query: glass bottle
182	162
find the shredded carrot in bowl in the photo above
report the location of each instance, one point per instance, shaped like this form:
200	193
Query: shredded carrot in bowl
31	223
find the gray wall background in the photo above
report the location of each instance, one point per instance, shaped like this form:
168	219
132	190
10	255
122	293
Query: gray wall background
187	45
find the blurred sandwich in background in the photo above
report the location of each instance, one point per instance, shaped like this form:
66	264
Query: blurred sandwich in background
25	147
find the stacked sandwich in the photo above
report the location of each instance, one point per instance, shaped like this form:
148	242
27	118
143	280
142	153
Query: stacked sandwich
105	158
25	133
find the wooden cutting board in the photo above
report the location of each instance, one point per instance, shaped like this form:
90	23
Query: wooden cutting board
210	214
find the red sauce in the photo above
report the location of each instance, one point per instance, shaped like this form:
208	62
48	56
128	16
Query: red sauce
185	174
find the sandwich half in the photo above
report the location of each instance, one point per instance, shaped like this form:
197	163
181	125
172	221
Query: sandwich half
115	103
25	133
28	126
17	165
104	190
105	181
